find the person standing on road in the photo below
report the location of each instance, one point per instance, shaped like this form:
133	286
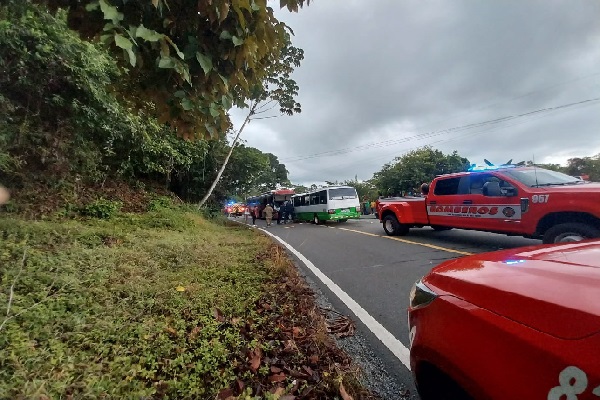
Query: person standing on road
253	212
280	213
246	214
268	212
289	212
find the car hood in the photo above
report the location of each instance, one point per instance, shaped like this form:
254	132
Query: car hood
554	289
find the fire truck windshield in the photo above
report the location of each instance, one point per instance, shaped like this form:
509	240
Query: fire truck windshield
536	177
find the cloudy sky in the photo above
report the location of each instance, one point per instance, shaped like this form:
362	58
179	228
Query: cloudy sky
490	79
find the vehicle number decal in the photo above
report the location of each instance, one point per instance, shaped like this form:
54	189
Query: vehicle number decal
540	198
573	381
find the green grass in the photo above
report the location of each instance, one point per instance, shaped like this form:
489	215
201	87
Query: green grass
96	310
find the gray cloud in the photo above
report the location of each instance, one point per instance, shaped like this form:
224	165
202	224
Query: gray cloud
378	73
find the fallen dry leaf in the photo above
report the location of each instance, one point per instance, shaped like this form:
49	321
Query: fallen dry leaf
255	359
218	315
225	394
341	327
278	390
280	377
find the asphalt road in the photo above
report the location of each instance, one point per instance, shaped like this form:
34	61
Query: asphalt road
377	272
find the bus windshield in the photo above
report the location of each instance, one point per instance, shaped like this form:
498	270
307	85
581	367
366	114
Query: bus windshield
342	193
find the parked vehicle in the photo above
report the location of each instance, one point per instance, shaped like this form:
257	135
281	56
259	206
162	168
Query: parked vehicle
517	324
335	203
276	198
523	201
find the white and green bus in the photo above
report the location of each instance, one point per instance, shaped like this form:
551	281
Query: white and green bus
336	203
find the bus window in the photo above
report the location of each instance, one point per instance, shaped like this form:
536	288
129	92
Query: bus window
322	197
314	199
342	193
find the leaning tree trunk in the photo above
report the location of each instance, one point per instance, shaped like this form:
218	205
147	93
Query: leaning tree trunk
220	173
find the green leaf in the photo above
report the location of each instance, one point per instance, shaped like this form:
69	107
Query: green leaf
92	6
187	104
225	35
148	34
205	62
170	41
111	12
226	101
245	4
166	62
214	110
124	43
255	7
179	94
237	41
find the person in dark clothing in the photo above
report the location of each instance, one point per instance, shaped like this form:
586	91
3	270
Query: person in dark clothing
280	213
289	212
253	217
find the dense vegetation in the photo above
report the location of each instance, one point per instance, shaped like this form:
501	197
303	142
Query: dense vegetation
66	125
157	305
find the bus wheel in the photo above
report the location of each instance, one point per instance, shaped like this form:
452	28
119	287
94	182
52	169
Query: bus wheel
342	220
392	227
316	219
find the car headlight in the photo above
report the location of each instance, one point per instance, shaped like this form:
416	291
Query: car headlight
421	295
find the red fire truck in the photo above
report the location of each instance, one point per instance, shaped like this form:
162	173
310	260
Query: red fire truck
514	200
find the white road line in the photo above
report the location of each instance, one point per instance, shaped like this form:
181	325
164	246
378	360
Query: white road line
393	344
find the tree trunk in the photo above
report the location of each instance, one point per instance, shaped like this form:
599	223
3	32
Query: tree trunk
222	169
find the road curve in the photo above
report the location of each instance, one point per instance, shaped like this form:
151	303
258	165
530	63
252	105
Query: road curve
368	275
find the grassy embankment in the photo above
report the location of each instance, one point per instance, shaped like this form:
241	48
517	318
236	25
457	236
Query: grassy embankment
164	304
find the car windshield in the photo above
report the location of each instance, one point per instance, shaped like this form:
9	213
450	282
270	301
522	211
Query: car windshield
342	193
537	177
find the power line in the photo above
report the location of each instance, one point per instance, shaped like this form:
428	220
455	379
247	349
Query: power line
426	135
469	134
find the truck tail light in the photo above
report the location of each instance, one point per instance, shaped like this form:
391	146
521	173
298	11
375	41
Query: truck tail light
330	211
524	204
421	295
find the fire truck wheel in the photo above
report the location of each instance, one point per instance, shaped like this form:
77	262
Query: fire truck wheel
440	228
570	232
392	227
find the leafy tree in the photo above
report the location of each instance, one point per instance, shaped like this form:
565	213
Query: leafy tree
58	112
276	89
552	167
412	169
245	171
584	166
364	189
300	188
193	59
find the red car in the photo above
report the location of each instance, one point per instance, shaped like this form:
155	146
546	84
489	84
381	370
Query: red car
518	324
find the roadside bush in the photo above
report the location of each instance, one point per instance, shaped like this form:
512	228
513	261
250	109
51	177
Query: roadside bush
101	313
103	209
159	203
